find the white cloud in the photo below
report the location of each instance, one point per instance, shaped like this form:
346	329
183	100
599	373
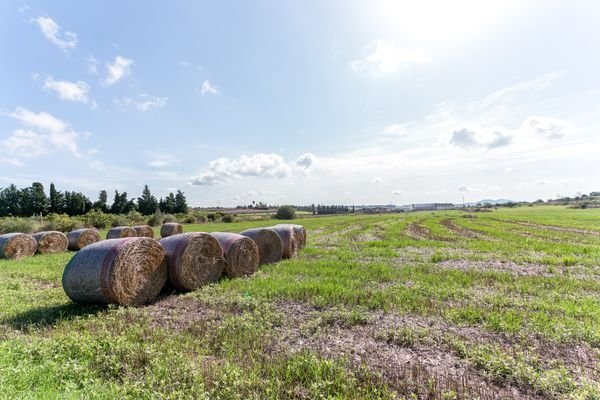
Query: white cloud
261	165
53	32
465	188
469	138
207	87
383	57
398	192
67	90
92	64
116	70
379	180
547	128
306	160
44	134
144	103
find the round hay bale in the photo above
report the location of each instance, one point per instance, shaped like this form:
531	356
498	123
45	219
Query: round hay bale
51	242
17	245
270	248
193	259
144	231
120	232
289	240
129	272
170	229
299	233
80	238
241	254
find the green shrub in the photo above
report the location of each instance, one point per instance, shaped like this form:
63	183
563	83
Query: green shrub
228	218
19	225
156	219
97	219
285	212
202	219
169	218
135	218
186	218
119	220
61	222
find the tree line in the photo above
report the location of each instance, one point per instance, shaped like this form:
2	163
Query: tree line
32	200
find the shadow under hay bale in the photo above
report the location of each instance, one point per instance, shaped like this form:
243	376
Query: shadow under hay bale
51	242
170	229
80	238
193	260
120	232
241	254
129	271
299	234
17	245
144	231
289	240
47	316
270	248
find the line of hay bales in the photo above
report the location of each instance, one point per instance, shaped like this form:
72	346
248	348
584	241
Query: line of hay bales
133	270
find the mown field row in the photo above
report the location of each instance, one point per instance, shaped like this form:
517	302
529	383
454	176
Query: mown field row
501	304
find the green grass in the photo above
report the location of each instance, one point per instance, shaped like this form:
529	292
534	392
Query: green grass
355	269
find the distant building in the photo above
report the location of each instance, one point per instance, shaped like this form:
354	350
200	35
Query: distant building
427	207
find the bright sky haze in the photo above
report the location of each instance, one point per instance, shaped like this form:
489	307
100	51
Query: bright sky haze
345	102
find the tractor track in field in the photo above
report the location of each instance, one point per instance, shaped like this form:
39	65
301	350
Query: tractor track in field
453	227
550	227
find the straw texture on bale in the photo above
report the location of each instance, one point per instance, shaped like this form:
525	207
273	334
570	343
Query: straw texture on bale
299	234
241	254
270	248
120	232
170	229
144	231
288	240
17	245
129	271
51	242
193	259
80	238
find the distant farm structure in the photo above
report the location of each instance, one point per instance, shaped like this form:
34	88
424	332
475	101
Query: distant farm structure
427	207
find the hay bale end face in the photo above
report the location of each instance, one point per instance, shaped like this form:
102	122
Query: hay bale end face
17	245
129	271
270	248
120	232
299	234
80	238
170	229
144	231
241	254
288	239
51	242
193	260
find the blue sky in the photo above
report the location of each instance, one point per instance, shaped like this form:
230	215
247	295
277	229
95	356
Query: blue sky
302	102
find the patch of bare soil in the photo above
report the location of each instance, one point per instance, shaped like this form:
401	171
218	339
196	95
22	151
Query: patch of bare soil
462	231
426	367
527	269
552	227
419	232
411	367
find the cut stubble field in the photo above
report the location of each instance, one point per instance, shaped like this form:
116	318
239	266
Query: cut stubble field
448	305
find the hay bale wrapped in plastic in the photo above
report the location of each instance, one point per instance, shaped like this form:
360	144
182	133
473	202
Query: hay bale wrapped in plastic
170	229
80	238
144	231
287	234
51	242
241	254
270	248
299	234
129	271
193	259
17	245
120	232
